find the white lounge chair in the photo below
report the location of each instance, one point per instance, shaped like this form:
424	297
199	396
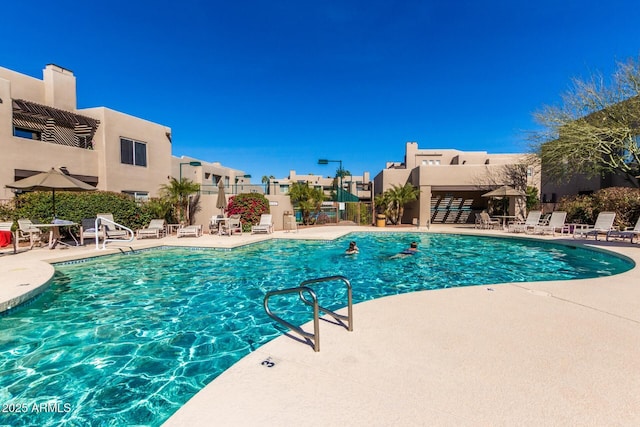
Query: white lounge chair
265	225
190	230
627	233
111	230
603	225
156	228
8	236
556	223
533	219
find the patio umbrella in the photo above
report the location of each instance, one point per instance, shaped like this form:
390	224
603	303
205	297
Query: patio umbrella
505	192
52	180
221	203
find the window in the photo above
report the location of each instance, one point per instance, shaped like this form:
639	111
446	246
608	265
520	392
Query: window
27	133
133	152
284	189
139	196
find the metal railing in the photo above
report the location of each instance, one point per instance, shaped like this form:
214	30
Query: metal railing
98	224
309	297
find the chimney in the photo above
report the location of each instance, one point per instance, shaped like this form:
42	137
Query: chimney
59	87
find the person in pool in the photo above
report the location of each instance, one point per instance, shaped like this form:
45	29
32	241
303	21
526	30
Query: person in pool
411	250
353	248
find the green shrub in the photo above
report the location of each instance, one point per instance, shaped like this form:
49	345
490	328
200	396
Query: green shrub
74	206
625	202
250	206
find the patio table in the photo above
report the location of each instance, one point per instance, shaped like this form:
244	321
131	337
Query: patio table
54	233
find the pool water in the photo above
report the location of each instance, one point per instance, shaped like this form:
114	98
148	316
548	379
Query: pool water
122	340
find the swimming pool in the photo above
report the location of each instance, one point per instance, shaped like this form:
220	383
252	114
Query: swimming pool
104	346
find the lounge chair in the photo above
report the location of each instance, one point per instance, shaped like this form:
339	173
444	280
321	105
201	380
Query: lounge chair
112	231
26	231
156	228
190	230
6	235
487	222
627	233
556	223
88	230
603	225
533	219
232	225
265	225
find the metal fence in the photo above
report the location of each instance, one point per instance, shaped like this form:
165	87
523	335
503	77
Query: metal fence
360	213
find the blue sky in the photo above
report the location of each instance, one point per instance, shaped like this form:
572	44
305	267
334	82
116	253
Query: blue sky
269	86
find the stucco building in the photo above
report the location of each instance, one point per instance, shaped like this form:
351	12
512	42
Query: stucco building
41	127
451	182
356	187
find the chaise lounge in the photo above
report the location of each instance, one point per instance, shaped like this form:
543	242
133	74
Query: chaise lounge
156	229
265	225
603	225
627	233
190	230
533	219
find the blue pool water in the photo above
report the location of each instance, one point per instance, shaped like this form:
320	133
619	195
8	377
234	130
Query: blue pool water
124	340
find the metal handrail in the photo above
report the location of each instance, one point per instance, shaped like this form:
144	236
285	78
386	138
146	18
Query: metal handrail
99	221
303	289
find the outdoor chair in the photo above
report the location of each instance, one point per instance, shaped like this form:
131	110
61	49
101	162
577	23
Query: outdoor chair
232	225
27	232
214	223
533	219
556	223
6	235
265	225
88	230
190	230
603	225
487	222
111	230
627	233
156	228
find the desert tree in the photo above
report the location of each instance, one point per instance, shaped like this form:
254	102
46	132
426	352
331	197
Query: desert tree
594	131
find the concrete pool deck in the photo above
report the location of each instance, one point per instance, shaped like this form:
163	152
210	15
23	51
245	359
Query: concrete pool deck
546	353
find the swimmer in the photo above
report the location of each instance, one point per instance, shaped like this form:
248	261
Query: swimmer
411	250
353	248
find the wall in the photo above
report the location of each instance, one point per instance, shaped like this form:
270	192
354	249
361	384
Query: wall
118	177
208	205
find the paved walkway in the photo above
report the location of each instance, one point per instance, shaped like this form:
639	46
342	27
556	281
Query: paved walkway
547	353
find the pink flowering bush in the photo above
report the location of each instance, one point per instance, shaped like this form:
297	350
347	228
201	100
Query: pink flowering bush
250	206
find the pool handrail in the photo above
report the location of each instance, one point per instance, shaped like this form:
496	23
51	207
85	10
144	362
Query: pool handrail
303	289
99	221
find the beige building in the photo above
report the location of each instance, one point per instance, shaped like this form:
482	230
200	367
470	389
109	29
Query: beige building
451	182
41	127
359	186
209	175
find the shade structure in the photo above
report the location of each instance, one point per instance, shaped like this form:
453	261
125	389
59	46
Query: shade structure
51	180
504	191
221	202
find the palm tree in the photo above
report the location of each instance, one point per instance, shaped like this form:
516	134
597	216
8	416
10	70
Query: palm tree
398	196
178	192
308	199
266	180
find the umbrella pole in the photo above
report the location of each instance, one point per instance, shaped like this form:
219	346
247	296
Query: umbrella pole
53	201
